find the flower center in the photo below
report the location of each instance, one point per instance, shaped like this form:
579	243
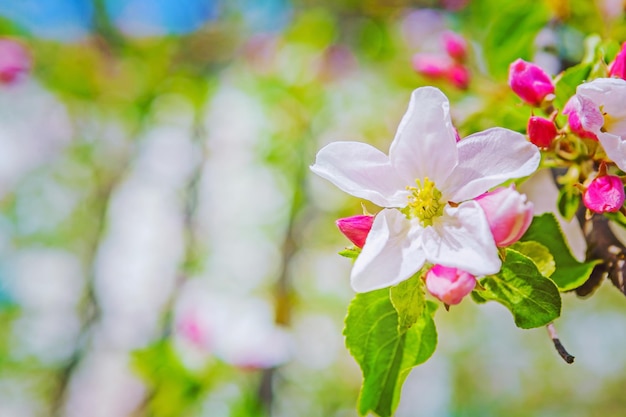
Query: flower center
424	202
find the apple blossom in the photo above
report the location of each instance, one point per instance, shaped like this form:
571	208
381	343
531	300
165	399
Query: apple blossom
531	83
449	285
432	65
541	131
604	194
604	114
425	185
508	213
356	228
14	61
582	112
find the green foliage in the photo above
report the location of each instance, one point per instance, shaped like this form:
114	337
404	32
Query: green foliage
510	31
568	80
568	201
533	299
408	298
384	353
351	253
539	254
569	273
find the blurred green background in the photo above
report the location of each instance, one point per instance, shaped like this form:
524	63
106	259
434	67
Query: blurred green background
164	250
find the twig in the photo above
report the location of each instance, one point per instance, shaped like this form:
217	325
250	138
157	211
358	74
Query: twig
558	345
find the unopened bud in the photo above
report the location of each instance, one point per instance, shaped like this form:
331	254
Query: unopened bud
604	194
449	285
530	82
432	65
508	213
356	228
541	132
455	45
459	76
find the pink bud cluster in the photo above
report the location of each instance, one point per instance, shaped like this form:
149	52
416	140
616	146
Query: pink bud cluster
449	64
617	68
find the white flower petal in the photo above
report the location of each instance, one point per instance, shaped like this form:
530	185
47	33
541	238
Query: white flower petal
363	171
489	158
615	148
392	253
609	94
462	239
425	144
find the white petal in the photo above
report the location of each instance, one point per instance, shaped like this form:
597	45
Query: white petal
489	158
607	93
392	253
615	148
462	239
362	171
425	144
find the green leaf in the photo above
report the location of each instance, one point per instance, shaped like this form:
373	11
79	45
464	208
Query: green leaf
566	83
351	253
510	34
570	273
568	202
533	299
384	354
539	254
408	298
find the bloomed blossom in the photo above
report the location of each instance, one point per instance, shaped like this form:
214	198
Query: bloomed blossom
426	185
605	115
449	285
531	83
604	194
508	213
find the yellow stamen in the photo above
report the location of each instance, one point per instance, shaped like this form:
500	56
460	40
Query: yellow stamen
425	202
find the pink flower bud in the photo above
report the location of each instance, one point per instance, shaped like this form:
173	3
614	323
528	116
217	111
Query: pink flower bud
604	194
449	285
455	45
459	76
617	68
356	228
432	65
508	213
582	116
14	61
541	131
530	82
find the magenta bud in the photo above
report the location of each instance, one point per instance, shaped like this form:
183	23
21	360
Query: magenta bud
604	194
449	285
541	132
530	82
15	61
459	76
356	228
617	68
508	213
432	65
455	45
583	115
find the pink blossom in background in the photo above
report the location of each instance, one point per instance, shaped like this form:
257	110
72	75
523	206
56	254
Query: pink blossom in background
356	228
432	65
450	285
617	68
15	61
541	131
604	194
508	213
531	83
